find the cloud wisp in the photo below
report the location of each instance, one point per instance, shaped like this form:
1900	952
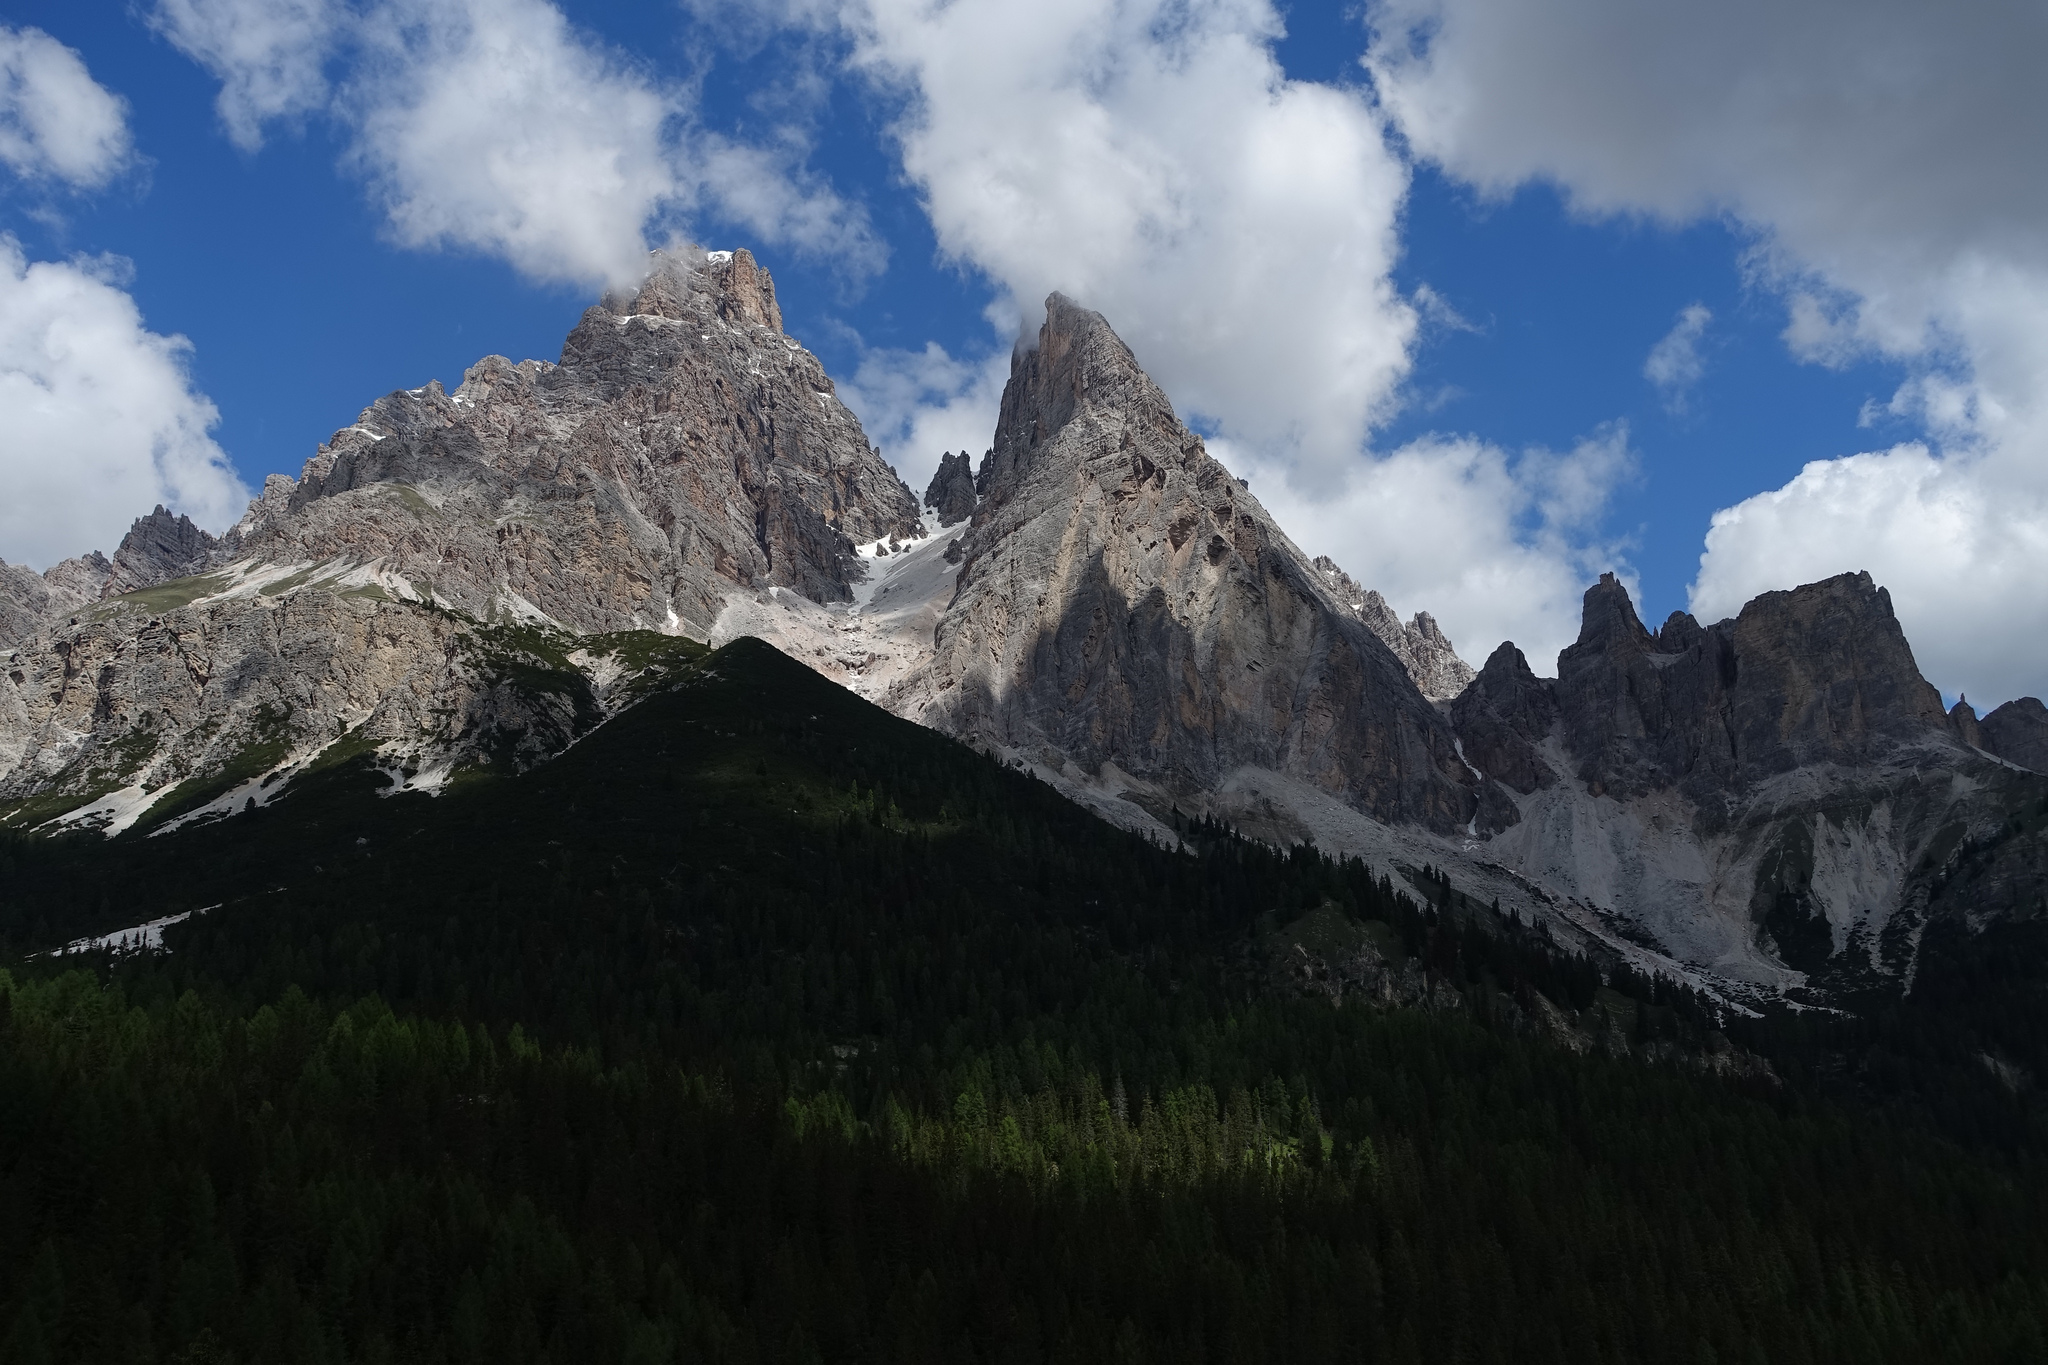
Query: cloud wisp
1675	363
57	124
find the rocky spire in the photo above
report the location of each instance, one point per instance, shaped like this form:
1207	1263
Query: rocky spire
157	549
1125	601
951	494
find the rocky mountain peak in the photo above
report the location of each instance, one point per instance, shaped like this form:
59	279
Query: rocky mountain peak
2018	733
730	285
951	494
1124	601
158	548
1501	718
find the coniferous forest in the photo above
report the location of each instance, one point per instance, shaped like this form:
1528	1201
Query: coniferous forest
763	1026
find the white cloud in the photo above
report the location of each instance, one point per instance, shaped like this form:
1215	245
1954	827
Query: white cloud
1496	547
917	405
1675	363
1887	155
495	126
102	420
268	55
1151	160
56	121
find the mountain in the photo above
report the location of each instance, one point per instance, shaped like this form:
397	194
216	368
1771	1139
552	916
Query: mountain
684	450
460	582
763	1025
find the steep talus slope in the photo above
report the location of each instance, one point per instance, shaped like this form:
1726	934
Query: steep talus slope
1777	797
1123	601
684	452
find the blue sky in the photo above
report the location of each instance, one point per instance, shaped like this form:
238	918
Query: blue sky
1524	285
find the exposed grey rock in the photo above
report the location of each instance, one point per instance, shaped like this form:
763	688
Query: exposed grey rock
1124	601
157	549
952	494
31	600
682	451
1503	717
1420	645
2018	733
683	445
1962	718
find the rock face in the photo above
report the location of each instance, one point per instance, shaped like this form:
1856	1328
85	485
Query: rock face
683	445
31	600
1773	798
1124	601
158	548
1502	717
951	495
682	454
2018	733
1420	645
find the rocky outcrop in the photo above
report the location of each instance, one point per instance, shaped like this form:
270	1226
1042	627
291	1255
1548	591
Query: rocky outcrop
31	600
1776	798
951	496
1125	602
157	549
2018	733
1503	717
1423	649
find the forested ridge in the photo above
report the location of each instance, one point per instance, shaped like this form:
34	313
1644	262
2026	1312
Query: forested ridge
763	1026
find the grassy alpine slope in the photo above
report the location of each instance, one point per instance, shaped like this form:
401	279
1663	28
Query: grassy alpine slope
763	1026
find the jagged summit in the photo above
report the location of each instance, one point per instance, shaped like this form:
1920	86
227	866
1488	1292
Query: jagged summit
952	496
1125	604
1421	646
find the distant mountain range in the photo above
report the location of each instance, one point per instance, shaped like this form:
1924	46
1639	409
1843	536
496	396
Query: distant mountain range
1771	807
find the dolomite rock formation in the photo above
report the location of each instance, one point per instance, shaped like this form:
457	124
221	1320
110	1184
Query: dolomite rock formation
683	452
1124	601
1420	645
951	495
1774	798
158	548
683	445
31	600
2018	733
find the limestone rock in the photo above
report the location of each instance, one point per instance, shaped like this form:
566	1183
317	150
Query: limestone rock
1124	601
2018	733
683	451
1502	718
951	495
157	549
1962	718
1420	645
31	600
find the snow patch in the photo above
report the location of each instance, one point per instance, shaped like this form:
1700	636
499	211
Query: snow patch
142	938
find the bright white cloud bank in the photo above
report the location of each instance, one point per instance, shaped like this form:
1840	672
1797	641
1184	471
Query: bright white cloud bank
495	126
1888	154
1150	159
100	417
56	121
102	420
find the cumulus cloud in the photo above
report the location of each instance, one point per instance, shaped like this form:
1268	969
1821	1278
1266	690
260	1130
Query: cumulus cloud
1152	161
918	405
1495	546
269	55
1675	363
495	126
1886	157
56	122
102	418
